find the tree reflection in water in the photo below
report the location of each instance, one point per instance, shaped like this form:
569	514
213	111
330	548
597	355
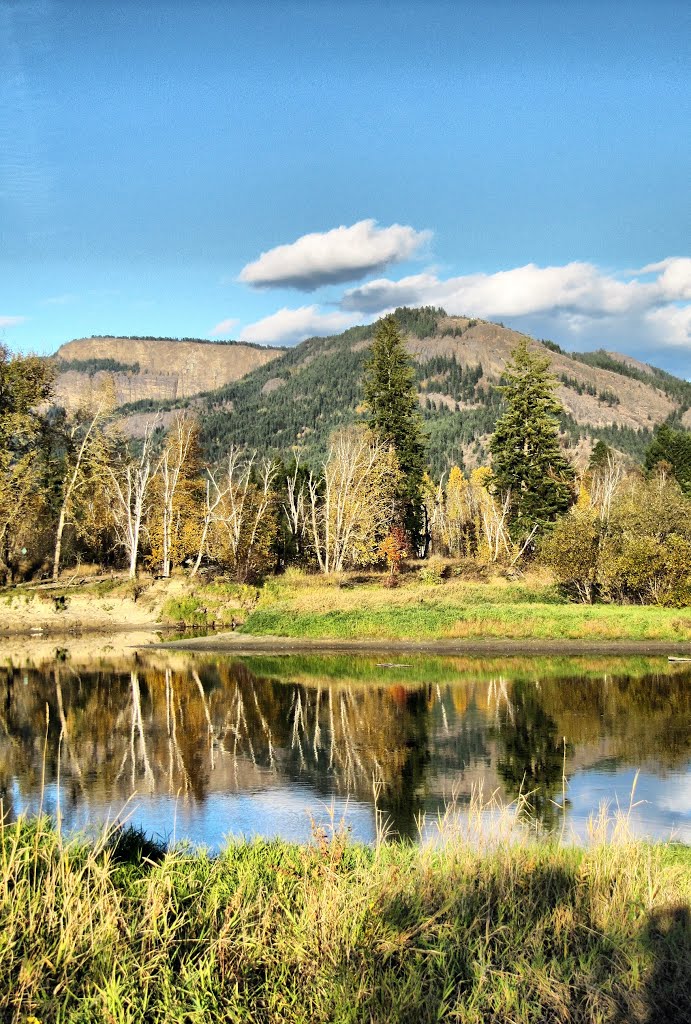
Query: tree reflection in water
533	755
193	728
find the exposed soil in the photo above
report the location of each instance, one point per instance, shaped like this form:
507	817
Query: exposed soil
62	610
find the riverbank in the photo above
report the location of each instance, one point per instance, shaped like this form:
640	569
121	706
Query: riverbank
243	644
312	609
82	648
529	609
111	604
333	932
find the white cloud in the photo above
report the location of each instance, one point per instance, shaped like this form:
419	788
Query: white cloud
675	280
579	297
332	257
11	321
289	326
60	300
224	327
671	324
640	312
576	287
674	794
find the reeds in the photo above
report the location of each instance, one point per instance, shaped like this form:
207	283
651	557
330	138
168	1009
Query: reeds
512	929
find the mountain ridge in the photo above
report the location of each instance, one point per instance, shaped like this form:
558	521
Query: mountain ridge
297	396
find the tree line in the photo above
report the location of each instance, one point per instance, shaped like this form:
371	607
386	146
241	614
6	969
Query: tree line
74	488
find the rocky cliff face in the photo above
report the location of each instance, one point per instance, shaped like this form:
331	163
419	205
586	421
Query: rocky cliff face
162	370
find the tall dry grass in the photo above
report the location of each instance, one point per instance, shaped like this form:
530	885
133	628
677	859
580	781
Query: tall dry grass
490	924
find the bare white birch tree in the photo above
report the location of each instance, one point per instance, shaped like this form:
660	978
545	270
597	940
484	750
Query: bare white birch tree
294	507
88	452
494	516
242	509
607	481
128	487
213	497
352	503
170	467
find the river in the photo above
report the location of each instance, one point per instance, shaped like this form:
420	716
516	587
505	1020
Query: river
201	748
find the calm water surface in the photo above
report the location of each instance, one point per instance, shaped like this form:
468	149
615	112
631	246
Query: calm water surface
201	748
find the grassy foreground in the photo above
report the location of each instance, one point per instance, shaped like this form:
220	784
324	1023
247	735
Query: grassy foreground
337	932
309	606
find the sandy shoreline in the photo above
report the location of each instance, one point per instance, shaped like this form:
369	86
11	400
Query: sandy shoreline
125	640
85	646
243	643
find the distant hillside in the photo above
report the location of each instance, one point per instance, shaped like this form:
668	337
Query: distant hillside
153	369
303	394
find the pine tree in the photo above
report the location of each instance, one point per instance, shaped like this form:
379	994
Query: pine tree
600	456
394	416
673	448
527	460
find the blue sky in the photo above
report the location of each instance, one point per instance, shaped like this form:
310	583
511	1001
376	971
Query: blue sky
523	162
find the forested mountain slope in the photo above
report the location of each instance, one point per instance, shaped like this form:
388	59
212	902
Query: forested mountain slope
301	394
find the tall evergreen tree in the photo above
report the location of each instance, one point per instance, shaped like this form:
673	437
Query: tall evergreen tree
394	415
527	459
672	447
600	456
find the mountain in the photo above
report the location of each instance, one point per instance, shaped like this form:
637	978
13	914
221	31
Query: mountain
152	369
300	395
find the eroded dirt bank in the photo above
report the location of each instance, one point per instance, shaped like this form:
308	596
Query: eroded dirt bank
63	609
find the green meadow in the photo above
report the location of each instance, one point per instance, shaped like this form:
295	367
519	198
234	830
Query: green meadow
314	608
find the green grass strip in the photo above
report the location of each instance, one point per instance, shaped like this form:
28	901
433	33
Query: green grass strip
427	621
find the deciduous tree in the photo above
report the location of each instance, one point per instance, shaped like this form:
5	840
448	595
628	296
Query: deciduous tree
352	503
633	547
572	550
129	483
242	517
85	465
174	518
25	386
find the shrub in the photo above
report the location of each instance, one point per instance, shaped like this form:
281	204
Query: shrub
433	571
185	609
637	552
572	552
471	570
647	570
